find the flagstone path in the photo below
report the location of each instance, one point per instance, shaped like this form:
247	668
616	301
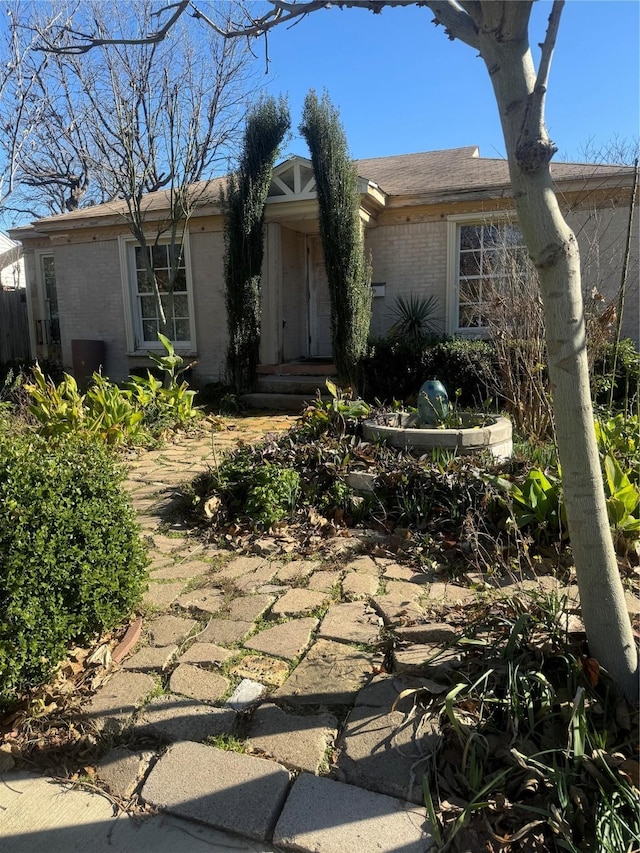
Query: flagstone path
260	695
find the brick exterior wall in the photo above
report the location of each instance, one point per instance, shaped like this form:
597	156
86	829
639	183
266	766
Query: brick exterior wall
409	258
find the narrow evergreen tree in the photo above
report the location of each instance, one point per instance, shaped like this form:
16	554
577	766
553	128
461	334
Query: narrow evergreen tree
348	273
243	204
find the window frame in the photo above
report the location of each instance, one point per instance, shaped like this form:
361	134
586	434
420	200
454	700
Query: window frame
136	345
44	302
454	223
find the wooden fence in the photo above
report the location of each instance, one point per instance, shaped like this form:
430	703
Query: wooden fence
14	325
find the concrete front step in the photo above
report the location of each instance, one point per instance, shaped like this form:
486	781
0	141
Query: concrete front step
304	367
292	384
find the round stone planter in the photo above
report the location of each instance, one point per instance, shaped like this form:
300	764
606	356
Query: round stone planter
402	430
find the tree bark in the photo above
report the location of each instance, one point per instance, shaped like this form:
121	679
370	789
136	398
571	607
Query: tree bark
554	251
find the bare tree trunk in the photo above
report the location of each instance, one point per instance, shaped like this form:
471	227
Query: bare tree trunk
554	251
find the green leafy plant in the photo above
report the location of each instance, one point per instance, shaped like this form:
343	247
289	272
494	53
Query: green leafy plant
536	502
623	500
273	494
334	415
416	318
71	561
59	409
110	412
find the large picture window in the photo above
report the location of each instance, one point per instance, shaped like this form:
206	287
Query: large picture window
144	321
487	255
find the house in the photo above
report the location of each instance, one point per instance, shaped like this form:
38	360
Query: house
430	219
14	325
11	264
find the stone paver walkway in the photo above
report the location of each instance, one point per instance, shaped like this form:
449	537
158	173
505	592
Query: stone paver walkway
261	697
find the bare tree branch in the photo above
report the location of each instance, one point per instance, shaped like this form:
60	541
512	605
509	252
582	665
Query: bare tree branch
90	42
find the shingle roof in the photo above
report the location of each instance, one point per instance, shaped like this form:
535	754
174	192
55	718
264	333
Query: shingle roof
457	169
450	171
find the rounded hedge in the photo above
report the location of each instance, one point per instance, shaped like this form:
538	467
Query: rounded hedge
71	561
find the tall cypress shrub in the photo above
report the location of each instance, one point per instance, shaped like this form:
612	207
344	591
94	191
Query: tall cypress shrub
348	273
243	204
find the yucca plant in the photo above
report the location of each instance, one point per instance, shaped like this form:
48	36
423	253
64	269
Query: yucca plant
415	318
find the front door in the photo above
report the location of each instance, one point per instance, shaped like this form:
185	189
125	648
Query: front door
319	301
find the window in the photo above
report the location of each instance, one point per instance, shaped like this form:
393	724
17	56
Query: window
51	299
143	321
49	326
482	255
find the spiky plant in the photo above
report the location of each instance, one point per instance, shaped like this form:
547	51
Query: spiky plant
348	273
243	204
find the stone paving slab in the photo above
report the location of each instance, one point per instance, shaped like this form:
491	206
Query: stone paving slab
168	544
297	602
207	599
399	573
386	752
325	816
296	570
433	656
359	585
350	623
225	632
174	718
239	566
251	582
114	704
38	815
330	674
366	565
427	632
296	741
222	789
186	570
398	610
323	581
287	640
248	608
151	658
206	654
268	670
168	629
449	593
406	589
162	595
122	770
198	683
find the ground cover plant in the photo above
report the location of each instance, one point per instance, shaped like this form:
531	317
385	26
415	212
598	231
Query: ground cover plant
535	750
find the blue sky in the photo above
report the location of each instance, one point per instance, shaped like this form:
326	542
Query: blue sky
401	86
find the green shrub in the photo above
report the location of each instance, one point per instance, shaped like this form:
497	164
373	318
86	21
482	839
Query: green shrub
469	365
395	369
71	561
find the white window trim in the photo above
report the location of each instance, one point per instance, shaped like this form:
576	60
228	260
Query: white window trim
126	243
452	306
41	289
